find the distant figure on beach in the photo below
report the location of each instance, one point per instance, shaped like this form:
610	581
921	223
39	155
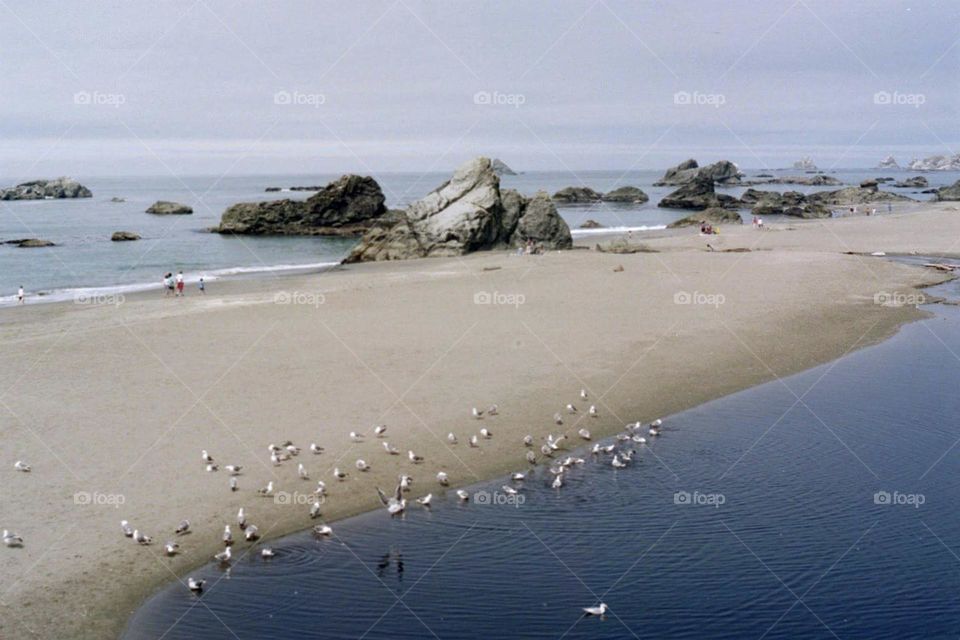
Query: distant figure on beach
179	283
167	284
20	295
889	207
759	223
201	286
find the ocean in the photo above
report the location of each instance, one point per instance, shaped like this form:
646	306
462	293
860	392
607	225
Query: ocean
817	506
86	262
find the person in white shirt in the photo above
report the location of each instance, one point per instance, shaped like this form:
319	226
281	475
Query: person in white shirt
20	295
180	283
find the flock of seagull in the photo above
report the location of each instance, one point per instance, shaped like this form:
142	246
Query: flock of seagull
395	503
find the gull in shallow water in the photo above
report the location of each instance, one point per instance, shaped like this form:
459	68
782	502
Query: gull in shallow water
557	481
323	530
518	477
596	611
252	533
414	458
452	439
126	528
463	495
12	539
389	448
639	439
182	528
267	552
315	448
477	413
528	440
486	433
195	585
379	430
233	469
656	423
339	475
510	491
362	465
224	556
616	463
267	490
583	433
425	500
206	456
302	472
20	465
227	536
396	503
233	484
442	478
171	548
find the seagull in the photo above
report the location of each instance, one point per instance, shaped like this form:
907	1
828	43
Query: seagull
195	585
477	413
276	459
414	458
321	488
267	490
20	465
293	450
267	552
452	439
206	456
639	439
213	467
528	440
233	483
546	450
252	533
127	529
531	457
314	510
241	519
171	548
227	536
233	469
224	556
396	503
518	477
571	408
596	611
315	448
593	411
389	448
339	475
557	481
485	433
425	500
656	423
584	434
272	448
11	539
555	442
379	430
558	418
322	530
510	491
583	394
616	462
474	441
141	538
356	437
463	495
654	431
405	482
182	528
362	465
302	472
442	478
493	410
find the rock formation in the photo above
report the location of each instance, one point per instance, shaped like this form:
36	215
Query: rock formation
867	193
789	203
165	208
591	224
805	164
697	194
888	163
46	190
722	172
465	214
576	195
632	195
916	182
124	236
501	169
936	163
948	194
712	216
347	206
28	243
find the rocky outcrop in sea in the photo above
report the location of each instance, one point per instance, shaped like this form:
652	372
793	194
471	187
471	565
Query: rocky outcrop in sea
501	169
888	163
698	194
712	216
936	163
46	190
805	164
917	182
948	194
577	195
722	172
166	208
465	214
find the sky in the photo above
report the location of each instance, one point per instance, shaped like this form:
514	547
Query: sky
216	87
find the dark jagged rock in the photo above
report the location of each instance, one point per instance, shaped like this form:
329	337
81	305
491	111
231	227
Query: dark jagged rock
28	243
501	169
721	172
856	195
117	199
46	190
165	208
347	206
917	182
591	224
628	194
576	195
124	236
697	194
713	215
465	214
948	194
790	203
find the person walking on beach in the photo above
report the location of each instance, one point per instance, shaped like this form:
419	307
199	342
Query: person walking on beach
20	295
180	283
201	286
167	284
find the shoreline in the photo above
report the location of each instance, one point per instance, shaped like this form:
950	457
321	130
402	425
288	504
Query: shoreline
380	327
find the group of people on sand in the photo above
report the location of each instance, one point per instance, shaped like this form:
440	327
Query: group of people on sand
530	248
707	229
174	285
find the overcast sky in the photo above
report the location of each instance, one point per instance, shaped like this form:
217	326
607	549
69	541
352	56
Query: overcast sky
216	86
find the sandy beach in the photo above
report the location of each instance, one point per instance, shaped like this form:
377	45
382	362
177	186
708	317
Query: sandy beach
112	402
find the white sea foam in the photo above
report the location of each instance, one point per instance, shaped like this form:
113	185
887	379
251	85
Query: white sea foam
612	230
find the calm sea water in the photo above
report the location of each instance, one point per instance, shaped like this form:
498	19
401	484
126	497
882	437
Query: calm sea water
86	258
820	506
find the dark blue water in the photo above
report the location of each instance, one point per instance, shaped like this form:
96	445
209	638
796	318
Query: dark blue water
86	259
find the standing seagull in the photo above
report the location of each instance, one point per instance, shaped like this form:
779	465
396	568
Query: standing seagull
315	448
195	585
206	456
20	465
233	483
11	539
477	413
414	458
182	528
583	394
362	465
126	528
493	410
227	536
452	439
224	556
171	548
339	475
389	448
302	472
593	411
241	519
380	430
442	478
